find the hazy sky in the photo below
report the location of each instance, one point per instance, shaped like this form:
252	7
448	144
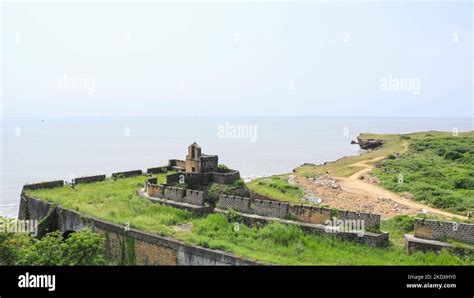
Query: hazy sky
248	58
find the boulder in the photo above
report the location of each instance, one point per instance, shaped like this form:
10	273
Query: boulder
370	143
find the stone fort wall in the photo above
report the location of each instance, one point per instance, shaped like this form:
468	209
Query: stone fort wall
129	246
89	179
199	179
258	207
303	213
441	230
176	194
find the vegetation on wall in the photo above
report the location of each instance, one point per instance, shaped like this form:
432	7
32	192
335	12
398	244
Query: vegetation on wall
278	188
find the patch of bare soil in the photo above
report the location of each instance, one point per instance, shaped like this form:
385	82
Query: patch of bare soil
360	192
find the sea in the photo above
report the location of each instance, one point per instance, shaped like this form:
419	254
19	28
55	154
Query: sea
37	149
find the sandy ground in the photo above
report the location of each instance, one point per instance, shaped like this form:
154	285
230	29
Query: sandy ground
358	193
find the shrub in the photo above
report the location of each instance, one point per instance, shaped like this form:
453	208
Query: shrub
222	168
452	155
461	150
464	183
404	222
440	151
81	248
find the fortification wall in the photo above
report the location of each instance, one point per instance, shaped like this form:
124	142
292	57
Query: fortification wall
303	213
174	193
209	163
236	203
48	184
194	197
174	178
319	215
311	214
88	179
270	208
132	246
440	230
155	190
370	220
127	174
258	207
225	178
157	170
177	163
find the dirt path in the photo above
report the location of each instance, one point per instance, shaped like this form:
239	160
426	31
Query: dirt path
355	185
357	194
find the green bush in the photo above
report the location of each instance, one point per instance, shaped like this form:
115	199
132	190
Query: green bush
81	248
452	155
464	183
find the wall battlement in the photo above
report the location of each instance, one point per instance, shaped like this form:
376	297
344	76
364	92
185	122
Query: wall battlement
311	214
194	197
258	207
236	203
442	230
270	208
177	194
174	193
303	213
48	184
157	170
127	174
88	179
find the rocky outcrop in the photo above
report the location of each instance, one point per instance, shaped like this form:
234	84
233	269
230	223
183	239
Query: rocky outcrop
367	144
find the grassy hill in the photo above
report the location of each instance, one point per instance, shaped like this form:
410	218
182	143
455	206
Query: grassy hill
437	170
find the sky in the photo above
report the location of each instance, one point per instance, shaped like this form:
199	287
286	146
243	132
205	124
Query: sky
126	58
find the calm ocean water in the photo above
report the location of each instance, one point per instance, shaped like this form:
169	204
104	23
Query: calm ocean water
34	149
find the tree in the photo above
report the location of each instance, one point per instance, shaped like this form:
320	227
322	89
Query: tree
81	248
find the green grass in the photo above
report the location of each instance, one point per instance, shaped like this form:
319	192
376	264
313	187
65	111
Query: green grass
394	143
278	188
117	202
341	167
288	245
436	170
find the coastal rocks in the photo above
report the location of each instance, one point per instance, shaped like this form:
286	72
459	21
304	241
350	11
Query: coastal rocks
369	143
